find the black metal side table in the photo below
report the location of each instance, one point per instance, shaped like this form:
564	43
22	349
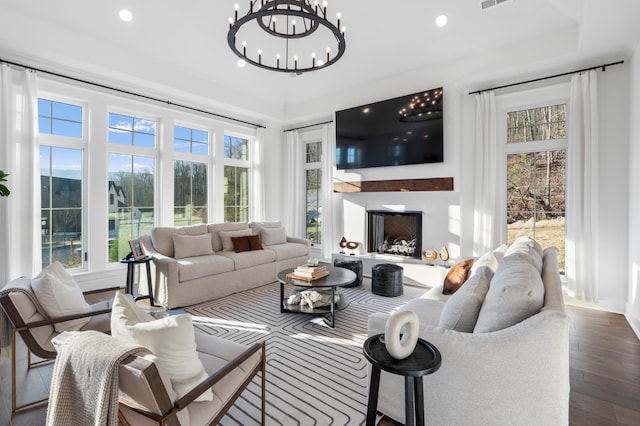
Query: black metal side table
424	360
131	262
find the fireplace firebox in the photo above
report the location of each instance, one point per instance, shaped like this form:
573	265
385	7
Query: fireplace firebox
394	232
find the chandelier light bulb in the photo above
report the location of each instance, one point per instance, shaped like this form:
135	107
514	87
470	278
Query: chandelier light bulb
236	6
325	3
441	20
343	29
242	63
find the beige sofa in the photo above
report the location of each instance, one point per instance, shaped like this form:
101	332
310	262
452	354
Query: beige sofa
198	263
511	365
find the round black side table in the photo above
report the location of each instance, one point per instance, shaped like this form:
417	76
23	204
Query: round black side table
424	360
130	270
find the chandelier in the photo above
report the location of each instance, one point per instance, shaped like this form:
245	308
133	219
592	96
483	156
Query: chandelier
302	38
423	107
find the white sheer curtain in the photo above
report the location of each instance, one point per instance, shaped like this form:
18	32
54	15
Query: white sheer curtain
294	185
582	189
258	200
486	208
328	163
19	157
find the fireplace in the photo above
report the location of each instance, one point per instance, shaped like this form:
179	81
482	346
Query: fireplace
392	232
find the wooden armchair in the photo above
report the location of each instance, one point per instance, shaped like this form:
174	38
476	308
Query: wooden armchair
146	394
36	329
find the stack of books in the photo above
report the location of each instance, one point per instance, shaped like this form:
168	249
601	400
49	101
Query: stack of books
309	273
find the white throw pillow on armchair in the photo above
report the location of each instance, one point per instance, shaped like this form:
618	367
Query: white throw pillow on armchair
59	295
171	339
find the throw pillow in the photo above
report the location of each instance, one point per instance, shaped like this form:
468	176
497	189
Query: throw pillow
225	236
528	247
516	292
271	236
460	312
248	243
456	276
171	339
192	245
59	295
489	260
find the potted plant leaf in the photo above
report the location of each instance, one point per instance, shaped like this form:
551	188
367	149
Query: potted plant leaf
4	191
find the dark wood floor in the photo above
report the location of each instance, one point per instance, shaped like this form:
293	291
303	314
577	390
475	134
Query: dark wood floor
604	361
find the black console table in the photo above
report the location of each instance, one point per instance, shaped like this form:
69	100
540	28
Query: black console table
424	360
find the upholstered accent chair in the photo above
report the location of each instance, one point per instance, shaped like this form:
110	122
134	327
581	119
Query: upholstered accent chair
146	394
30	320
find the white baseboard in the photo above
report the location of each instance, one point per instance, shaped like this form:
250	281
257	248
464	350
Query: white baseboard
633	321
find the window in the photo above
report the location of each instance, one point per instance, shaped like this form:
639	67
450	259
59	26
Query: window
536	175
61	206
236	179
313	172
190	140
131	182
57	118
60	126
128	130
190	193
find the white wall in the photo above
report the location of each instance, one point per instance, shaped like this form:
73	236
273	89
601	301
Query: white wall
445	221
633	298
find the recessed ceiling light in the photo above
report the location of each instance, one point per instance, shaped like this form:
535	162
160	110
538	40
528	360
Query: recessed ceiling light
126	15
441	20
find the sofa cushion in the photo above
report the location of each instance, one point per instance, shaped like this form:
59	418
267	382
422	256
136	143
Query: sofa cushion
191	268
171	339
59	295
271	236
246	243
428	310
191	245
528	247
456	276
162	236
516	292
215	228
460	312
248	259
259	226
225	237
288	250
490	260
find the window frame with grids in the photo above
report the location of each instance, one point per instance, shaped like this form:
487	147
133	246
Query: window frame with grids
59	138
529	100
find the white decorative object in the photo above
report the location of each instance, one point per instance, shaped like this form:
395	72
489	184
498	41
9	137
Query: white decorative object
407	323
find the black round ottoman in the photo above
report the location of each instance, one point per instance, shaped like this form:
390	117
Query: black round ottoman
386	280
354	265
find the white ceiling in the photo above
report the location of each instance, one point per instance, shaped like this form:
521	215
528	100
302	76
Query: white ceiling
179	48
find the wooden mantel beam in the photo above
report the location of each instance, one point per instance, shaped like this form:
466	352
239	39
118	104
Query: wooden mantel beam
398	185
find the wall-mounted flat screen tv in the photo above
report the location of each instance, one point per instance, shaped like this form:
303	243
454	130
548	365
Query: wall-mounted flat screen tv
394	132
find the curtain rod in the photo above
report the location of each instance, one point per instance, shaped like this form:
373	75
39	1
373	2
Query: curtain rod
309	125
603	66
151	98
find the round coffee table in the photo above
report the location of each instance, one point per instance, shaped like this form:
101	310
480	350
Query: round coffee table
337	277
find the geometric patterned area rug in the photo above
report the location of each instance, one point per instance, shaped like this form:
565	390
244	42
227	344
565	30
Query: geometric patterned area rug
316	375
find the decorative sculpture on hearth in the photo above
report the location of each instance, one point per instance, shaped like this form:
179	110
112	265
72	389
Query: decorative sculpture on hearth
429	255
342	244
444	254
352	245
